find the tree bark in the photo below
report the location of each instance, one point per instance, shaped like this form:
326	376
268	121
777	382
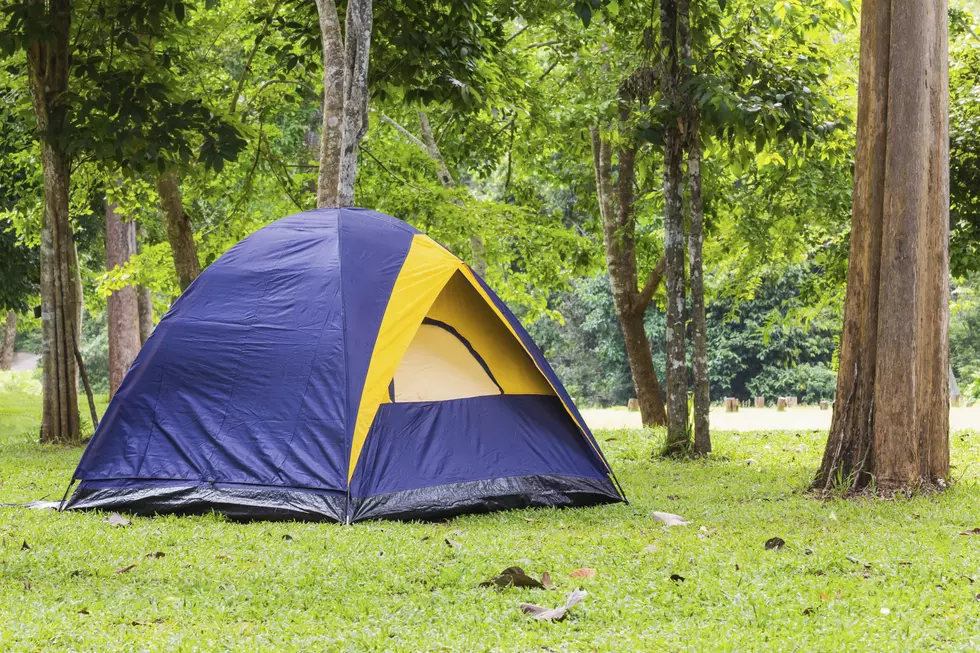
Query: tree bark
7	343
630	303
179	231
357	45
447	181
677	435
144	297
695	241
699	329
891	422
332	130
48	62
122	305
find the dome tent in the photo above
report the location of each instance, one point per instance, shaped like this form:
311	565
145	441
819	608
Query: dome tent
340	365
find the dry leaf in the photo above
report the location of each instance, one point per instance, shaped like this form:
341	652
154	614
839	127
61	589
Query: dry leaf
223	556
155	554
546	580
453	543
553	614
677	578
775	543
584	572
83	611
669	519
126	569
513	577
115	519
973	531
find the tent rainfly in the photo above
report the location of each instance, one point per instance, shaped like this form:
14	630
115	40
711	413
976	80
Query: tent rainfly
340	365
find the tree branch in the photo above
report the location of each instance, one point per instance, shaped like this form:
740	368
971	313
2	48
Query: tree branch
412	138
650	287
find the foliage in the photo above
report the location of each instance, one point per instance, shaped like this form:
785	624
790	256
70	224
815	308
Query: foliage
753	348
296	587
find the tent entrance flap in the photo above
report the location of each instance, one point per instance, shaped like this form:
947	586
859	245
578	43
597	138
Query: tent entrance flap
438	366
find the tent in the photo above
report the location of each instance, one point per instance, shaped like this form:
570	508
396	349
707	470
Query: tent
340	365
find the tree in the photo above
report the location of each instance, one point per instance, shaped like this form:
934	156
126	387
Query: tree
122	304
345	97
891	419
46	37
619	226
9	333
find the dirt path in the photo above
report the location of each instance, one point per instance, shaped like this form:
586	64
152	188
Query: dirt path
761	419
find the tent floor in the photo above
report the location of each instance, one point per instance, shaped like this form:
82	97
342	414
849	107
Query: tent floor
290	504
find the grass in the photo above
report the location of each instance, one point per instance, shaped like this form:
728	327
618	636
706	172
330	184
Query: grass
854	575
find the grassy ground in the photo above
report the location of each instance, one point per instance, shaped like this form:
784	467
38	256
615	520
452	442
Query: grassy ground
854	575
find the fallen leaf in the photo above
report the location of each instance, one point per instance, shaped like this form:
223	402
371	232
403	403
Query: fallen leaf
223	556
668	519
513	577
83	611
546	580
809	611
974	531
584	572
528	520
554	614
126	569
677	578
424	538
155	554
775	543
453	543
115	519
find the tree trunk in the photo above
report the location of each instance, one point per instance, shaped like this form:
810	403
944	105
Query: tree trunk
618	235
122	305
357	42
446	179
7	343
677	436
695	241
179	231
332	130
48	64
144	297
891	420
699	330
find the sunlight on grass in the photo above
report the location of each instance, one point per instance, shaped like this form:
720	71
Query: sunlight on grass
854	575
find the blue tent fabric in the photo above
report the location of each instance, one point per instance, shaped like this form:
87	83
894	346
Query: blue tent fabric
243	401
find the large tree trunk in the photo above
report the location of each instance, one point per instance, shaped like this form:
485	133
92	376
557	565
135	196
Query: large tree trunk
631	305
7	338
48	64
357	46
677	436
332	130
447	181
179	231
144	297
122	305
891	417
699	330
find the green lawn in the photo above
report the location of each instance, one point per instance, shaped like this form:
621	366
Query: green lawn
853	576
